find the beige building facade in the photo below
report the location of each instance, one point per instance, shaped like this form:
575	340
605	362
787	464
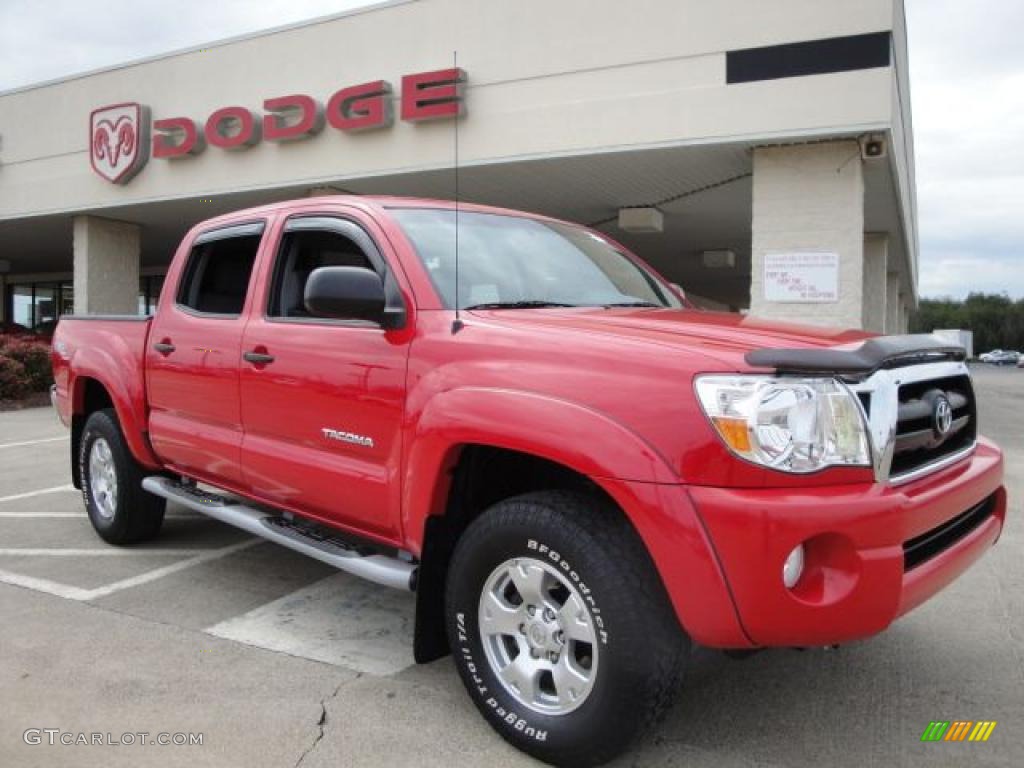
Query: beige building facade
773	140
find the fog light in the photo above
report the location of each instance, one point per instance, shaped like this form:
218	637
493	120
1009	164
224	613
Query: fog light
793	567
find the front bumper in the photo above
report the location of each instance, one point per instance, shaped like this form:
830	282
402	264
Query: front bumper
855	582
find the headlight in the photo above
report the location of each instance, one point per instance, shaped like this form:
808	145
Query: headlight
789	424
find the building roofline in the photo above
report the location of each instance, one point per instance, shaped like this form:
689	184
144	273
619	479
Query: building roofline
370	7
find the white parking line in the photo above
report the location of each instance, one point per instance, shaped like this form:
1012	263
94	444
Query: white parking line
41	514
98	552
40	492
77	593
33	442
44	585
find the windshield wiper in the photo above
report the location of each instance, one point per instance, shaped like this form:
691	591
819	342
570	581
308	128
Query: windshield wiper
518	305
633	304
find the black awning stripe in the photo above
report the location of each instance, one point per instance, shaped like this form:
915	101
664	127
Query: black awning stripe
813	57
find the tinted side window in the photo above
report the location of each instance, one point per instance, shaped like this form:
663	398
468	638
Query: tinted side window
302	252
217	275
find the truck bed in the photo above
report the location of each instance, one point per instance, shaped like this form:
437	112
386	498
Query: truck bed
110	348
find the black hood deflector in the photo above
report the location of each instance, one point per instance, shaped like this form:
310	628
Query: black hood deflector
872	355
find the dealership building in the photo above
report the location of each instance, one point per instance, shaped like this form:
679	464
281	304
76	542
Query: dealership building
759	154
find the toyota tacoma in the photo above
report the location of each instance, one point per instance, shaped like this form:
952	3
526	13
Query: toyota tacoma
577	473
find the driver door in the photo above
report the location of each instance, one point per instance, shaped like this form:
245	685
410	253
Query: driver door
322	400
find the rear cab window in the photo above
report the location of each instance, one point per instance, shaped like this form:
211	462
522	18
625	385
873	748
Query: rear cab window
216	277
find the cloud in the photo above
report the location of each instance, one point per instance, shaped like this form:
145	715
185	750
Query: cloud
967	81
947	271
46	40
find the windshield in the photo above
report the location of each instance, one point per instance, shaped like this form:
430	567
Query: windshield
516	261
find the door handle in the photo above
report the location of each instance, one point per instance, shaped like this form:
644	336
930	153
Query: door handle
257	358
164	347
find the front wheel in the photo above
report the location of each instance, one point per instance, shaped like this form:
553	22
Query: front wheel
560	627
121	512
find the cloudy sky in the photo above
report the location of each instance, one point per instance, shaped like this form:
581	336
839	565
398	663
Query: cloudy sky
967	85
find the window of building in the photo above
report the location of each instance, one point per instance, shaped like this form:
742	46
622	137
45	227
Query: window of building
149	293
217	275
67	299
37	305
301	252
22	307
46	308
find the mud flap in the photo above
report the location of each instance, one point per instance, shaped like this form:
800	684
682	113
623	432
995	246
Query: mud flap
430	638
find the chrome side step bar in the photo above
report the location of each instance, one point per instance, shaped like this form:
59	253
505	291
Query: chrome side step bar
390	571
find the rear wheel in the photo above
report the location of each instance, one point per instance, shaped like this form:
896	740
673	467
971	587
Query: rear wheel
119	509
560	627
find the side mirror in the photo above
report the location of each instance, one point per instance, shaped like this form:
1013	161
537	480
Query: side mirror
348	293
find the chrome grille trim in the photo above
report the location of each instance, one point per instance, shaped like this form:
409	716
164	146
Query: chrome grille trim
883	388
935	466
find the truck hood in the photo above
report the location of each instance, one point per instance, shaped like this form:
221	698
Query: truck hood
725	337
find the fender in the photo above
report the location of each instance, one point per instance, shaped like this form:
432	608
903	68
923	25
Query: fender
561	431
631	471
126	392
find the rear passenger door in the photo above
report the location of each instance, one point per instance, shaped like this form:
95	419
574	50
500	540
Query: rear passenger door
322	400
195	422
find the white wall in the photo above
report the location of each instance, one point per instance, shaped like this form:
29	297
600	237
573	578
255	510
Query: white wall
903	145
810	198
545	78
876	260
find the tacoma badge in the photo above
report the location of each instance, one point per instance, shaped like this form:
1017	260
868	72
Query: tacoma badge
347	437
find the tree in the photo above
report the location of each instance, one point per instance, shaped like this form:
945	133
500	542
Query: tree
996	320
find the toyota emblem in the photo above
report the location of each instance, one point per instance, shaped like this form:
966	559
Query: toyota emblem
942	416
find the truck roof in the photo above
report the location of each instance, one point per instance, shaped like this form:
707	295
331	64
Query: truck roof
375	203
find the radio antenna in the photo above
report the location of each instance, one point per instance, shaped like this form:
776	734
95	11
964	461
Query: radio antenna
457	324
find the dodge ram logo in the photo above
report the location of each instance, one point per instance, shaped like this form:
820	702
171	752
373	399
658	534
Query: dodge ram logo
942	416
119	141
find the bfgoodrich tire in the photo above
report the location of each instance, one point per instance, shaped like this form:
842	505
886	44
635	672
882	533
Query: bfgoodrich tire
560	627
119	509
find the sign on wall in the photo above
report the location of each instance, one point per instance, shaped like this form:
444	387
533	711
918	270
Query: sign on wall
119	135
805	278
119	141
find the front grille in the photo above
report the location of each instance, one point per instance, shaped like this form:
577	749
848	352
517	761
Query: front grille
902	405
926	546
918	440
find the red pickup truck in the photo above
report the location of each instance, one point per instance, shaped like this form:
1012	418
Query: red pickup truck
578	474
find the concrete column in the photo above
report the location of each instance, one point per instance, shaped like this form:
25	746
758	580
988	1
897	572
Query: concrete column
904	313
892	302
876	259
810	198
106	266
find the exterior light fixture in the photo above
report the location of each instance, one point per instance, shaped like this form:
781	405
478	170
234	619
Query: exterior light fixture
721	259
641	220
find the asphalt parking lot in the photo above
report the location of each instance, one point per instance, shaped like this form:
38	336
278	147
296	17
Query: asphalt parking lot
279	661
